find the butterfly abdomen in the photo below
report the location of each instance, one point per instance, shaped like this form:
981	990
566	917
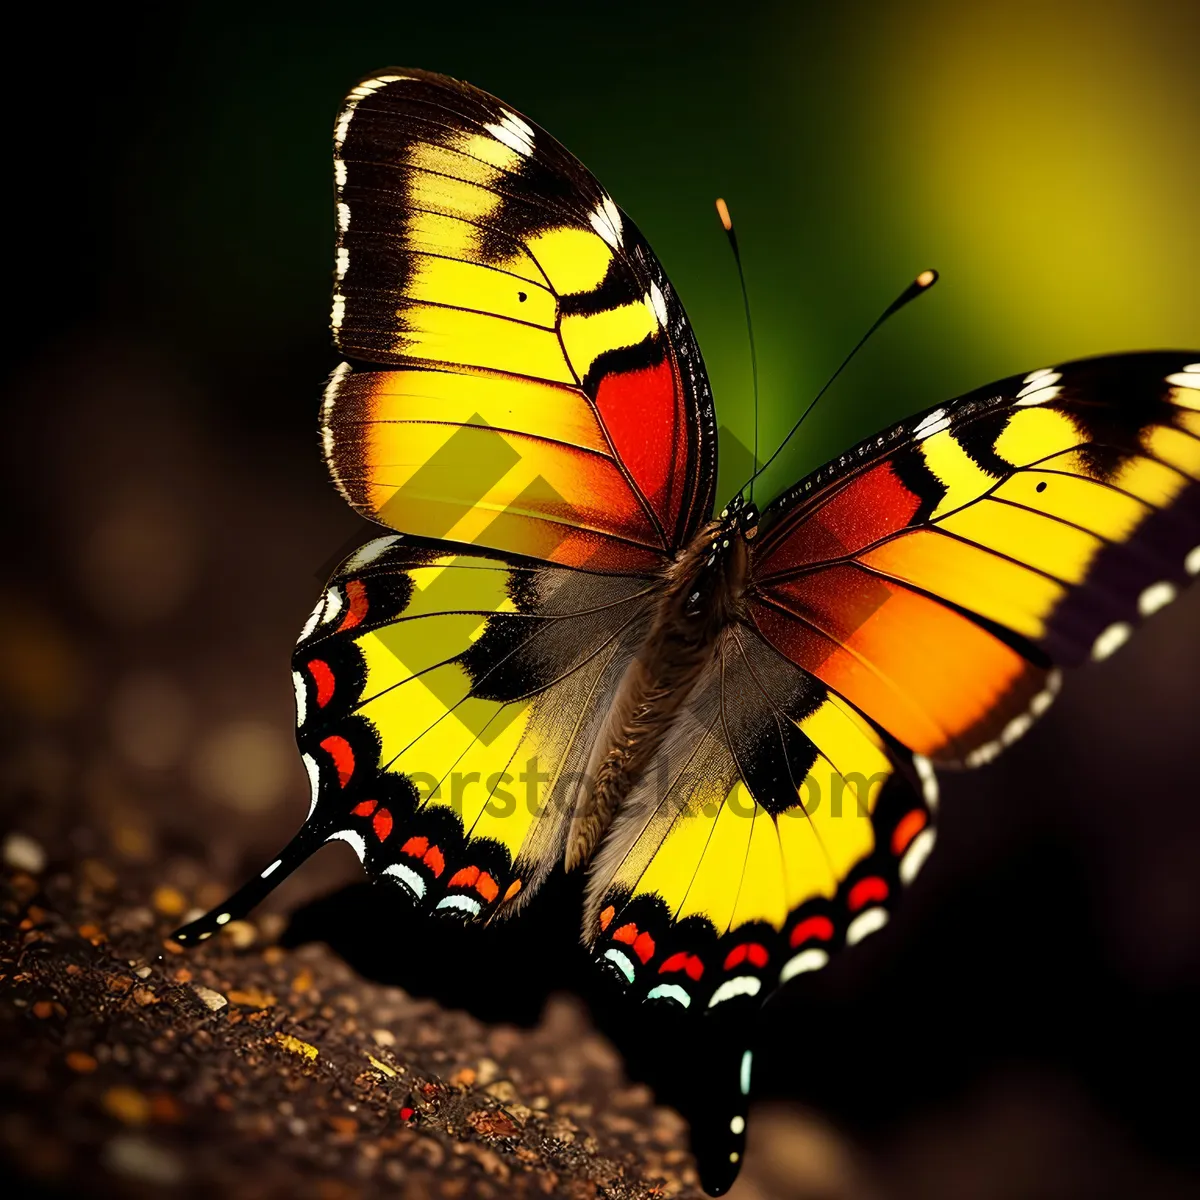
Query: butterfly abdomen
701	595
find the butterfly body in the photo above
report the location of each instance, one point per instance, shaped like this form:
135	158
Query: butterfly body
559	655
701	594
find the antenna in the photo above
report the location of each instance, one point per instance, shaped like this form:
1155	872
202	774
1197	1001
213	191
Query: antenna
727	225
922	283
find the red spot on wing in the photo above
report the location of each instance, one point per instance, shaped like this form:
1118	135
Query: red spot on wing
907	828
406	1112
643	946
343	757
416	846
627	934
322	676
382	824
865	891
464	877
606	916
365	808
434	860
747	951
487	887
643	414
820	928
866	509
682	961
513	889
356	594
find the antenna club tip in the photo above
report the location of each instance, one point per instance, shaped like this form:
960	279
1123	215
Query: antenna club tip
723	213
927	278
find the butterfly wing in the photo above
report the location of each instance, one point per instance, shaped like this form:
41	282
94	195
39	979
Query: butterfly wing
543	393
937	575
910	601
777	825
446	701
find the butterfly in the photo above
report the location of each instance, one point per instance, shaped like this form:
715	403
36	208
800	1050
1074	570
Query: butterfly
562	656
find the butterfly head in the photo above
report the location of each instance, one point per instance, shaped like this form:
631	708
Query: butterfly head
739	518
719	563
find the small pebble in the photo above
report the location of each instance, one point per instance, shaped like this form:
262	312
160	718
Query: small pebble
242	934
213	1000
252	998
22	853
168	901
128	1105
137	1157
143	972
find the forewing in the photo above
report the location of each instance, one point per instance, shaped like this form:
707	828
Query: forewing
937	575
544	392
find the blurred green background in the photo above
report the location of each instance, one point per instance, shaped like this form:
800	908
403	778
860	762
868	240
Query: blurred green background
1045	157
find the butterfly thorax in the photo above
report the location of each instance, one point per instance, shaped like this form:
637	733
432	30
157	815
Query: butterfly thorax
701	596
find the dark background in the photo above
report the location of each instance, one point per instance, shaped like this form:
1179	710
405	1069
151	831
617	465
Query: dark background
1026	1027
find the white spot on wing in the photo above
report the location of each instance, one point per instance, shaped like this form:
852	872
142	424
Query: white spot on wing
518	124
621	959
1039	381
352	839
1016	729
1189	377
369	552
605	219
866	923
1111	640
339	173
1191	564
343	215
812	959
739	985
983	754
354	99
333	606
1156	596
313	618
929	783
918	851
314	780
933	423
301	699
744	1072
407	877
1028	399
513	140
327	402
657	303
463	903
1045	698
272	868
1034	376
670	991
